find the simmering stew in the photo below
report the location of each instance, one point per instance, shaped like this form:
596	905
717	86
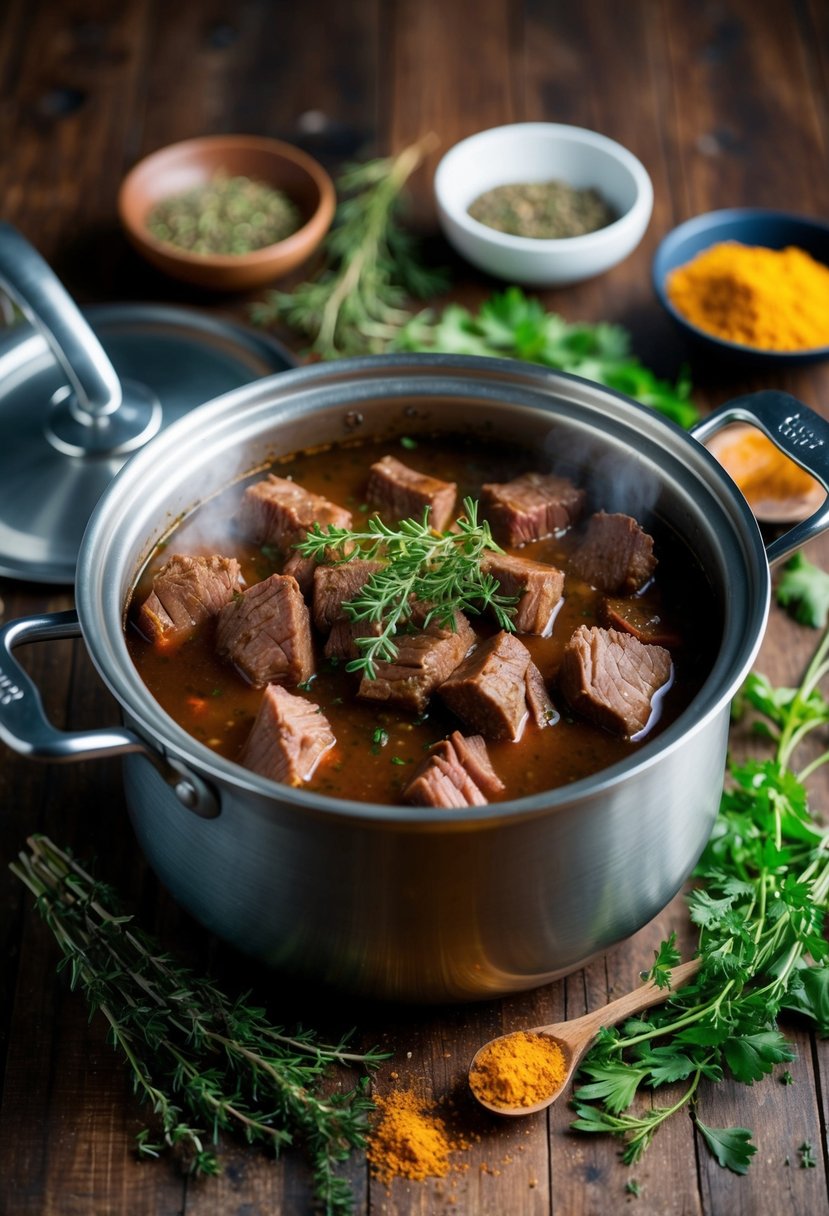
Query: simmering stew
611	629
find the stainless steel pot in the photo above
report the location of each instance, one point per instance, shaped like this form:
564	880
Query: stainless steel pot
409	903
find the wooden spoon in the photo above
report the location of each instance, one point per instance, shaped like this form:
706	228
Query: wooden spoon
574	1037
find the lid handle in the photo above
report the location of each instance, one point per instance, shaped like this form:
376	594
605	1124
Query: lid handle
41	296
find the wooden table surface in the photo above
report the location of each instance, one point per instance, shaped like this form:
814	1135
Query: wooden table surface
725	101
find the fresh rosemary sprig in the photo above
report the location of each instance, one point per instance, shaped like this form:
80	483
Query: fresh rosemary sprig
512	325
357	304
200	1059
760	905
423	567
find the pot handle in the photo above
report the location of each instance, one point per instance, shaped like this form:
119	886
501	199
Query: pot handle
799	433
26	729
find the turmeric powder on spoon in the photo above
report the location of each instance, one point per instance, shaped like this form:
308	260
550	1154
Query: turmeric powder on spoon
518	1069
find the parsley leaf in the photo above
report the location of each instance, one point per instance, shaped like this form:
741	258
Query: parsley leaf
752	1056
514	325
759	903
666	957
730	1145
804	591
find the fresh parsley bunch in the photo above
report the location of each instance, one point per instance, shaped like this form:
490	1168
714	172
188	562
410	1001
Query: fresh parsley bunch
513	325
760	904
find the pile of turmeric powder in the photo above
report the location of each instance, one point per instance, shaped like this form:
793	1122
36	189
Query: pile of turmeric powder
771	299
518	1069
410	1139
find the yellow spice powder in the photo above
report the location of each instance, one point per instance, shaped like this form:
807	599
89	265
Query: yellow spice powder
409	1139
771	299
519	1069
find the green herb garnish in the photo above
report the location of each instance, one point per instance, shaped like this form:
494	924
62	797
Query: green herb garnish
512	325
760	906
200	1059
438	570
804	591
357	304
808	1160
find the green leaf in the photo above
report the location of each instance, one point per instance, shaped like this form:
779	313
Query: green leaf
666	957
510	323
811	997
804	591
614	1084
752	1056
731	1146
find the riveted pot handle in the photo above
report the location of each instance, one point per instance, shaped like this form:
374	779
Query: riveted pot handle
799	433
26	729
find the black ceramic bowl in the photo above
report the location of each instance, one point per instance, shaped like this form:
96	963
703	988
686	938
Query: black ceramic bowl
749	226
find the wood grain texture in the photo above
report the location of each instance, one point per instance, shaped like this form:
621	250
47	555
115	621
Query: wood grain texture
725	101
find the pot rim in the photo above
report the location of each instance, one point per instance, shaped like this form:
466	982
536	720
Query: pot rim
100	602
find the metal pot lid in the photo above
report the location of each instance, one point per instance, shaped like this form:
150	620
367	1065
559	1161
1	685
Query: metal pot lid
80	390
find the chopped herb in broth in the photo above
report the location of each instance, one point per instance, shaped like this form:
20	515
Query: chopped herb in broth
545	210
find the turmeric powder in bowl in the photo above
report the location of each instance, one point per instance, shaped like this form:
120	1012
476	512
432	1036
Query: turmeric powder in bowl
770	299
518	1069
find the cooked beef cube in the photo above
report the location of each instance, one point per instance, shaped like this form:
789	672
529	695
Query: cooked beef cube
287	739
531	507
457	773
266	632
402	493
302	569
335	585
186	591
538	586
611	678
542	710
633	616
425	657
488	691
279	512
615	555
341	641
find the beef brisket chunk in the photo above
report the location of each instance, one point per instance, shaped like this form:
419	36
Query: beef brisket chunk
488	690
531	507
634	616
288	737
424	659
335	585
279	512
616	555
186	591
611	678
402	493
266	632
458	772
539	588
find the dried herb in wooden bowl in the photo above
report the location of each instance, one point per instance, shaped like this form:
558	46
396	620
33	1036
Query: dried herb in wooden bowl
227	215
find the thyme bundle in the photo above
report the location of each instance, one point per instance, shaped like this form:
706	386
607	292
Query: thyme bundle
357	303
422	566
200	1059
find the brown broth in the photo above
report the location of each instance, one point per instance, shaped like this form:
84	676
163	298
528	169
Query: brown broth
378	749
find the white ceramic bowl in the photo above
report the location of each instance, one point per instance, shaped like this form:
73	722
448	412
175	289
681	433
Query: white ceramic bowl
533	152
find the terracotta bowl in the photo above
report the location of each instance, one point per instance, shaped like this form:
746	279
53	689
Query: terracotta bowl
181	166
